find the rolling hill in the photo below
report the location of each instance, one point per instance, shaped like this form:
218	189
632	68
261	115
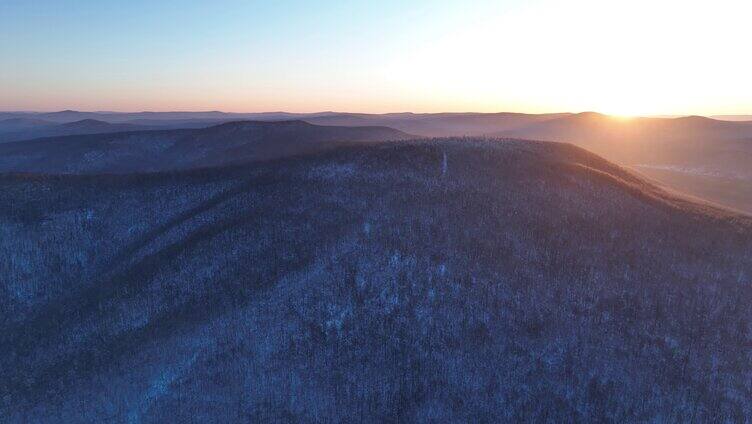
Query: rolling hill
606	132
50	129
21	124
711	159
439	124
468	280
422	124
703	157
733	117
65	116
163	150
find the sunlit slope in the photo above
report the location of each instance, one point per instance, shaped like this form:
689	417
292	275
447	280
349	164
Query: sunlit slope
708	158
446	280
630	140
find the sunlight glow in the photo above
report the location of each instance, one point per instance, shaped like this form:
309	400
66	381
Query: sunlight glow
625	58
637	57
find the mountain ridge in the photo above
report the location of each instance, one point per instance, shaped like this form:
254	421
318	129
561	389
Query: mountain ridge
361	272
154	150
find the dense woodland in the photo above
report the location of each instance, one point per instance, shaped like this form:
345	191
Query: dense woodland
449	280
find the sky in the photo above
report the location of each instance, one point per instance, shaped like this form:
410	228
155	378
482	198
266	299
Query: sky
648	57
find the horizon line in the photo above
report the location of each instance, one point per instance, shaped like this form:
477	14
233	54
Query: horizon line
369	113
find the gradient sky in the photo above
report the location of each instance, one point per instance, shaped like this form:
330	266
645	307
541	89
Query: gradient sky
621	57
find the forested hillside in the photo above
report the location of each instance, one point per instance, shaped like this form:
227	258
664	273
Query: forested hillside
438	280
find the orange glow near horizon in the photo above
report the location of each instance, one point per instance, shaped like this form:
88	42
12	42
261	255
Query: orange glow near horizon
623	58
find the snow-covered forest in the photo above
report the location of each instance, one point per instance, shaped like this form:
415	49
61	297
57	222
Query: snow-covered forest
452	280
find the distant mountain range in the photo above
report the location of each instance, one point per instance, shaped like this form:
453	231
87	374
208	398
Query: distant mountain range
440	124
688	140
431	125
16	129
709	158
733	117
162	150
423	124
125	117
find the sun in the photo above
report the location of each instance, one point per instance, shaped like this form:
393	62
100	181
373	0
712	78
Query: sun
622	116
624	108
